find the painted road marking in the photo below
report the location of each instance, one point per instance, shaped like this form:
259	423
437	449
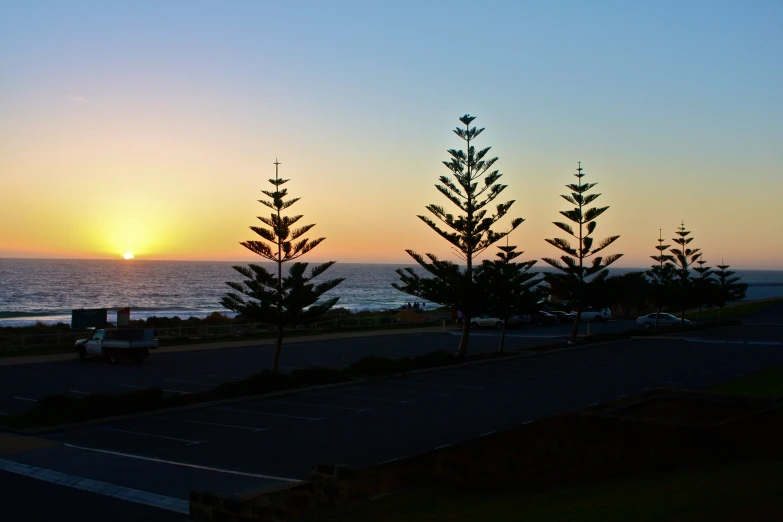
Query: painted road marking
146	387
185	464
228	376
79	392
462	386
322	406
138	496
144	434
190	382
26	399
361	398
298	417
409	391
214	424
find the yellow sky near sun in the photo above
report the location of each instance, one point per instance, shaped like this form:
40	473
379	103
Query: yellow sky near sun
185	187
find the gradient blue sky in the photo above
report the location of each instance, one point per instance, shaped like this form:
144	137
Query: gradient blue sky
167	117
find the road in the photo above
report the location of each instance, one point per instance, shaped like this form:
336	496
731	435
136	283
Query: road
187	372
259	444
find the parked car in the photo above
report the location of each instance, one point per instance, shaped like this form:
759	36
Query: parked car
595	314
563	317
487	322
518	319
117	344
648	321
542	318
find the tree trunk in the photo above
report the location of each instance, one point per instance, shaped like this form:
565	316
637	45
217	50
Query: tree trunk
698	319
278	348
503	336
720	312
575	329
465	339
657	317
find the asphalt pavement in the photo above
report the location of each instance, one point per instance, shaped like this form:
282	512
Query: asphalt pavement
195	368
258	444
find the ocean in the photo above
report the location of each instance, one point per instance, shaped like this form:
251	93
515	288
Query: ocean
47	290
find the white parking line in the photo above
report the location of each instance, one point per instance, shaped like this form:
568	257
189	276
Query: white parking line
362	398
321	406
147	498
254	430
79	392
210	384
233	378
251	412
190	442
164	389
185	464
26	399
410	391
461	386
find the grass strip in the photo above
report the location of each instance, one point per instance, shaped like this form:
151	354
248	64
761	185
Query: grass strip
720	493
766	383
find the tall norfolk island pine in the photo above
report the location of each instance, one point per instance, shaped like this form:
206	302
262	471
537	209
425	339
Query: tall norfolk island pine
269	297
470	232
684	258
573	283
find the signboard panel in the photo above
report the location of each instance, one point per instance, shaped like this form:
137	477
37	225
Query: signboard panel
88	318
123	317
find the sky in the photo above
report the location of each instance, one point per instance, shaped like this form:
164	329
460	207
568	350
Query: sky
152	127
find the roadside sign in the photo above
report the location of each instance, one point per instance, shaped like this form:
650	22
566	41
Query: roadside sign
123	317
82	318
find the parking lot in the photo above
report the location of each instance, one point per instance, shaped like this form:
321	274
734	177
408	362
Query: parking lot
259	444
187	372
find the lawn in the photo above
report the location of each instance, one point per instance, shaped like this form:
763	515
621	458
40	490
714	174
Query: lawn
738	310
731	492
766	383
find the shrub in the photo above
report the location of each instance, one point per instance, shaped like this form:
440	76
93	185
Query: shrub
433	359
317	376
258	383
374	366
58	409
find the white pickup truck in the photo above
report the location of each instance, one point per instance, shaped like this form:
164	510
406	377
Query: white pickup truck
117	344
595	314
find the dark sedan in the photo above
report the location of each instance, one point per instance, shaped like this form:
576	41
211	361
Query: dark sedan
542	318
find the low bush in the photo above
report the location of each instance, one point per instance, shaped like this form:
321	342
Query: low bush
58	409
317	376
374	366
258	383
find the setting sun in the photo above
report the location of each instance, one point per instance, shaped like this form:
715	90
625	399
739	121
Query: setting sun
128	255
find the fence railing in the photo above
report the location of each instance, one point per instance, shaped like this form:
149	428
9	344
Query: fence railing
22	341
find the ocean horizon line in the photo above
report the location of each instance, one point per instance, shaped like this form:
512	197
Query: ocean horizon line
538	266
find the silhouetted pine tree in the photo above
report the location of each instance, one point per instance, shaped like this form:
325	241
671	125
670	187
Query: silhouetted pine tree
469	232
662	276
729	287
269	297
572	283
684	258
702	286
506	285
